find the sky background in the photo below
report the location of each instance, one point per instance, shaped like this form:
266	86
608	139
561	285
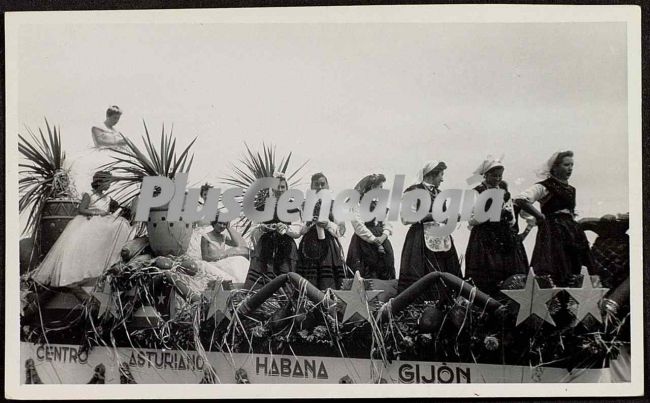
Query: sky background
351	99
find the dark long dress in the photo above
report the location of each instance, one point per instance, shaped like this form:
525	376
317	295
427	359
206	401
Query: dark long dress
418	260
561	247
494	250
321	260
366	258
274	254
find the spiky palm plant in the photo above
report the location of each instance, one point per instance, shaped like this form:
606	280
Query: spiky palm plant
131	164
44	176
255	165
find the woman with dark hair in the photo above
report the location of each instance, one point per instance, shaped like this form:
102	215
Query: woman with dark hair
225	248
200	227
423	251
494	251
370	251
105	135
320	253
90	243
106	138
561	247
274	248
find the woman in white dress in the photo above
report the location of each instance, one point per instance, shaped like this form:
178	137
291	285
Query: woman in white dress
90	243
106	138
200	228
228	252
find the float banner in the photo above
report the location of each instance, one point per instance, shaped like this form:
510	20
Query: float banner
69	364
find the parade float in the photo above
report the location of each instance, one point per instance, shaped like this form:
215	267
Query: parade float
142	322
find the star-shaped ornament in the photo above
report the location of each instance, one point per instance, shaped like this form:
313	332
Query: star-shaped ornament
219	303
105	298
587	298
532	300
356	299
161	299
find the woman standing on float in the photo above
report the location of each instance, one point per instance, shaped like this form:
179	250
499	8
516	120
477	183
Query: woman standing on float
274	249
320	253
494	250
370	251
423	252
561	247
106	139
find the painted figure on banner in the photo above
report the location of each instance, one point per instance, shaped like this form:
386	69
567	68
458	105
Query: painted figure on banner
494	250
423	251
561	247
370	251
320	254
90	243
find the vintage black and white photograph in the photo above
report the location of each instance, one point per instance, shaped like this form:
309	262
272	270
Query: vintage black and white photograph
277	202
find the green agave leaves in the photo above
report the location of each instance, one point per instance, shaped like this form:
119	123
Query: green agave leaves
131	163
256	164
43	176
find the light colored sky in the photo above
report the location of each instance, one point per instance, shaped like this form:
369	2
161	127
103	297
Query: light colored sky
352	99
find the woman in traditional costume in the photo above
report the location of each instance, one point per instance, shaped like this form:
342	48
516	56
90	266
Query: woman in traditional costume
561	247
90	243
226	251
423	251
370	251
274	247
320	254
494	251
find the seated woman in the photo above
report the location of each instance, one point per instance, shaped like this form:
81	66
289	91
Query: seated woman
320	252
105	140
370	251
105	135
200	227
274	246
90	243
228	252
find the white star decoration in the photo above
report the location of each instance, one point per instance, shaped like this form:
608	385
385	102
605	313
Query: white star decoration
104	296
532	300
588	298
161	299
219	303
357	298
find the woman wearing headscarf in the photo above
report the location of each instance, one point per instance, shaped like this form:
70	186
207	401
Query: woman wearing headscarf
274	247
494	250
320	254
561	247
370	251
423	251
